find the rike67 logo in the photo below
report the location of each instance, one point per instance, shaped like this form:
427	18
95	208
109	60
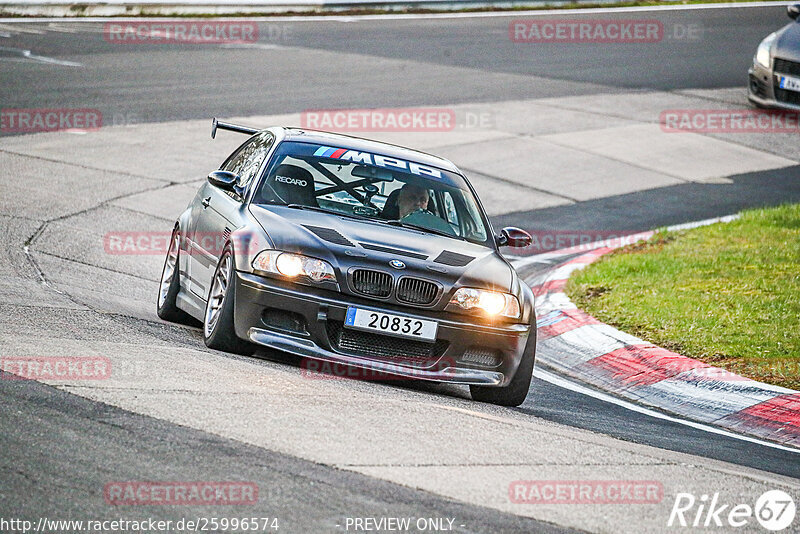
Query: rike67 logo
774	510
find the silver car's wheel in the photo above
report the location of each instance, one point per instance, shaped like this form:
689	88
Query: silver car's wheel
170	267
170	286
216	297
219	330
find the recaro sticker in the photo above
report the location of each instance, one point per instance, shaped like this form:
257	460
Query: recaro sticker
291	181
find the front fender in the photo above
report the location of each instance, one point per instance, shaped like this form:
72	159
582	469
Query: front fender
528	305
246	242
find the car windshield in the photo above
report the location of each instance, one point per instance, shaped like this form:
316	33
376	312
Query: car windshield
373	186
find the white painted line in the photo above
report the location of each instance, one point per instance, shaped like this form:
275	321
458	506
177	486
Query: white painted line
27	54
422	16
544	257
706	400
706	222
699	374
566	384
595	340
54	27
21	29
44	59
565	271
554	301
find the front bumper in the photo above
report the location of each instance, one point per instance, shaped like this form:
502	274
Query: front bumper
763	90
308	322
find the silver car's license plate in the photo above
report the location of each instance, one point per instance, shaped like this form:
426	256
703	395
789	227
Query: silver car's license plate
790	84
391	324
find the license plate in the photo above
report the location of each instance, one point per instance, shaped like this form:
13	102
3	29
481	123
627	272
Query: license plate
790	84
390	324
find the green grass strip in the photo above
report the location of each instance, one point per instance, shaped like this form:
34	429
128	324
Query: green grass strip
726	294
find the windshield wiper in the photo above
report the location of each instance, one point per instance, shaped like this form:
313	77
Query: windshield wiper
423	228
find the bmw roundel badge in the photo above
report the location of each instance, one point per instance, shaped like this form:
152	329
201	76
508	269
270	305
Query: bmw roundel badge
397	264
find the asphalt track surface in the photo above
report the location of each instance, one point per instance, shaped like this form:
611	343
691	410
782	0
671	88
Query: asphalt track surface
458	60
59	449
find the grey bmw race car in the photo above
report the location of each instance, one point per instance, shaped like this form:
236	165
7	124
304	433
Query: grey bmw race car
775	74
354	252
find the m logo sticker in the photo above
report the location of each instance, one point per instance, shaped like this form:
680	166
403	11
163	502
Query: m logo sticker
376	160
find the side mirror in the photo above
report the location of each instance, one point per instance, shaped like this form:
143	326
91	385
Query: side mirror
793	11
226	180
514	237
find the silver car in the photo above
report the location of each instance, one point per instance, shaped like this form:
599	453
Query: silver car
775	74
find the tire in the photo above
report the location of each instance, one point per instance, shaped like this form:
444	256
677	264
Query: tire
516	391
218	327
170	285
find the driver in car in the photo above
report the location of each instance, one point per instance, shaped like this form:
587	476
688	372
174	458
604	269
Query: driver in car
412	203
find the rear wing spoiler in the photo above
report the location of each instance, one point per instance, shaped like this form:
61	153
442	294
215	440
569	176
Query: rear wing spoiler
232	127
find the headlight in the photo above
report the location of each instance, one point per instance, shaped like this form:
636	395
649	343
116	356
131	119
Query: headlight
762	54
492	302
293	265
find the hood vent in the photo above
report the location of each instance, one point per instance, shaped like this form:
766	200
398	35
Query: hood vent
330	235
399	252
453	259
